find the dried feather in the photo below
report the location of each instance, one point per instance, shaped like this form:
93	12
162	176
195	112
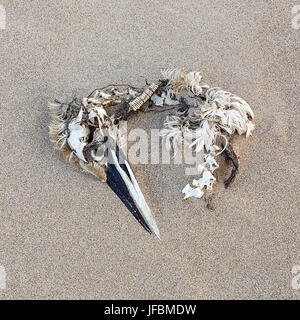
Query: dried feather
205	123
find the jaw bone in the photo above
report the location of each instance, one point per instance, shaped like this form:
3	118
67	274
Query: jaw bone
130	183
118	175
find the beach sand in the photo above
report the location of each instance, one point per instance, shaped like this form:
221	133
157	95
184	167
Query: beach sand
64	235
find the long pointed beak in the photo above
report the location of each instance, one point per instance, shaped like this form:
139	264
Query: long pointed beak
121	180
116	183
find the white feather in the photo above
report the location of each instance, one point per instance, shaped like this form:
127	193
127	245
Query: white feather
221	110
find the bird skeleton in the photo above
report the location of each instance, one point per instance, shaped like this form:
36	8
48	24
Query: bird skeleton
87	132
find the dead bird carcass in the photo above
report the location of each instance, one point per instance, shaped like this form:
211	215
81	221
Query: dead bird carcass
87	133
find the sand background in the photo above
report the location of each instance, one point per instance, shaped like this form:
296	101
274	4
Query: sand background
65	235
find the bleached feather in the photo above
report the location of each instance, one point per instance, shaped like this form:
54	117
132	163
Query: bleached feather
205	124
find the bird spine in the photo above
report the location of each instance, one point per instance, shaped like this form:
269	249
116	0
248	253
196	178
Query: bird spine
144	97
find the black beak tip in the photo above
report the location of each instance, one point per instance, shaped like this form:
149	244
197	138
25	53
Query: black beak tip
118	186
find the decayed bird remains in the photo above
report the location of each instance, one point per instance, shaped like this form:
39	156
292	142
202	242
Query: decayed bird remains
87	132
